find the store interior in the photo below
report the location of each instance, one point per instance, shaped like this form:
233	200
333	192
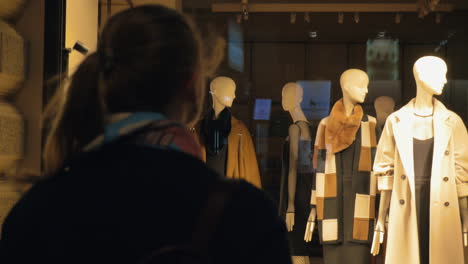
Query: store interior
269	43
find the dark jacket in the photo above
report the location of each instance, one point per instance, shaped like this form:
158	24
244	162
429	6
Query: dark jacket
119	203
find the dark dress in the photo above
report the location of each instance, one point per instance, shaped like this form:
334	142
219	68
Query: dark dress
302	198
217	161
347	252
423	152
120	203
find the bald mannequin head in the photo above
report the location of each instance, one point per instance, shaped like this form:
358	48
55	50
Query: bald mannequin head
292	94
384	106
223	90
354	83
430	73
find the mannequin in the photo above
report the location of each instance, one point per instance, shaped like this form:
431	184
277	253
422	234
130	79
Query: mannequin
384	106
424	187
296	182
344	196
226	143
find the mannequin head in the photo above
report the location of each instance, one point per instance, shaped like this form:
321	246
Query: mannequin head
384	106
354	84
223	91
291	96
430	73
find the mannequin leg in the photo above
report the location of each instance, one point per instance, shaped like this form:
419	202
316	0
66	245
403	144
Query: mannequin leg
300	260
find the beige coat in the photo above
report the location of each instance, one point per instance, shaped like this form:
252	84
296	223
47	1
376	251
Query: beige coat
395	169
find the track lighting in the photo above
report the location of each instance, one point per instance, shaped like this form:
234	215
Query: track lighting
293	18
307	17
340	18
356	17
398	18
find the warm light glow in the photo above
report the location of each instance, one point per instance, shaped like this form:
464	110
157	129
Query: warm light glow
432	72
223	90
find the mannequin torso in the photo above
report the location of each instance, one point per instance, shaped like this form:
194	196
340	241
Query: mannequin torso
227	136
296	180
343	175
423	121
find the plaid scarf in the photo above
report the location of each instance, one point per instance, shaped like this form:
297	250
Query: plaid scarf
148	129
327	192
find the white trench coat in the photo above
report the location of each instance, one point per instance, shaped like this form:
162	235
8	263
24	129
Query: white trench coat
395	170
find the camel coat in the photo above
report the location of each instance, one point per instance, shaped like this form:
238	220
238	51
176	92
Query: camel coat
241	158
395	171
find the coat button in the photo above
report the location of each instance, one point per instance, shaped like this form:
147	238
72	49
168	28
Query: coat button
403	177
446	203
402	201
446	179
447	153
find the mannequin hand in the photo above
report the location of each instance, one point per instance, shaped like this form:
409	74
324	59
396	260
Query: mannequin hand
379	234
290	221
310	226
290	217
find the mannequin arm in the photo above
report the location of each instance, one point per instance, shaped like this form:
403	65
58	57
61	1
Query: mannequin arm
383	169
294	134
379	231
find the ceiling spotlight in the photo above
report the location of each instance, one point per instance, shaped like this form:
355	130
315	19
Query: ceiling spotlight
293	18
239	18
307	17
421	14
245	12
356	17
438	18
340	18
398	18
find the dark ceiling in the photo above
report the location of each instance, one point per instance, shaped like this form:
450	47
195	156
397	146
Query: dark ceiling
459	4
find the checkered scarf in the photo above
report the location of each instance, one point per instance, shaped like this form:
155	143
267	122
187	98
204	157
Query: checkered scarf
327	192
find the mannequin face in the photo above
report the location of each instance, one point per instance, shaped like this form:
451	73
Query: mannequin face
291	96
223	90
431	74
354	84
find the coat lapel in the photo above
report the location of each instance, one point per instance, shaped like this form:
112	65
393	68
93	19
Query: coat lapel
232	167
442	134
404	140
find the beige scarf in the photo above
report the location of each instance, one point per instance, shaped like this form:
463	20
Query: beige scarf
341	129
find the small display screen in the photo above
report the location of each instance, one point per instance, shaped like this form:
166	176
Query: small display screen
262	109
316	99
